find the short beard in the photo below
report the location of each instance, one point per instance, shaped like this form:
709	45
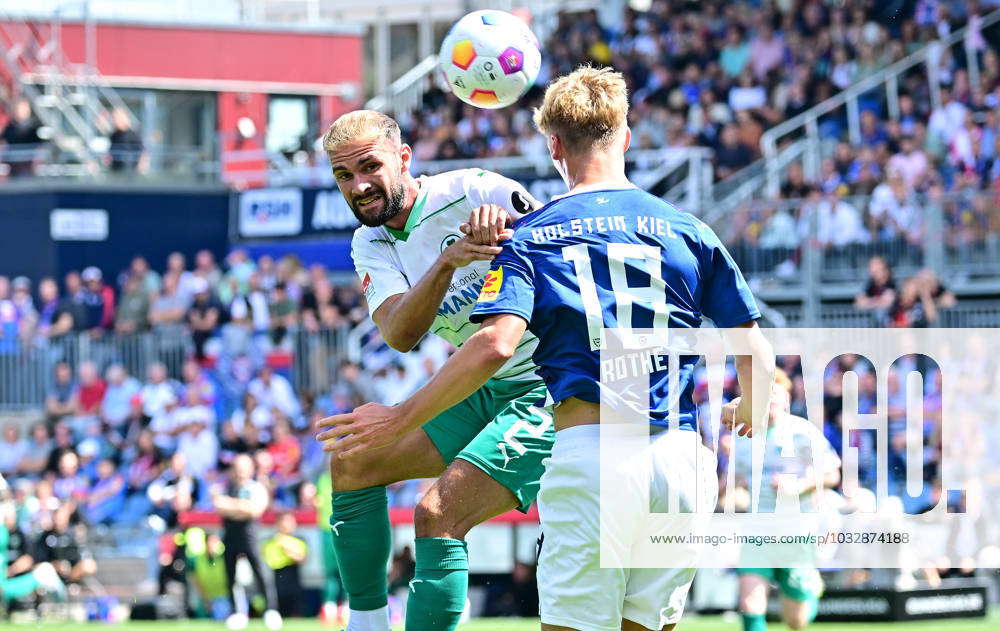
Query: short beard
392	206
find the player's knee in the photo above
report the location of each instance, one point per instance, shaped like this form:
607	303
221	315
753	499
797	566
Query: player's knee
430	519
796	617
752	602
349	474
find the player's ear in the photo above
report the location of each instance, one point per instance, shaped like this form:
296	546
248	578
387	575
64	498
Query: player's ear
628	139
555	147
405	156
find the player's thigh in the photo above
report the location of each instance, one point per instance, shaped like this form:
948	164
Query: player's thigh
753	591
574	591
412	456
461	498
512	447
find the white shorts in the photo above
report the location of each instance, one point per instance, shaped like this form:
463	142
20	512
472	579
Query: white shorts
574	590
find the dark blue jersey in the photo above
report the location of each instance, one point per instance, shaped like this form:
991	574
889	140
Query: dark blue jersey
613	258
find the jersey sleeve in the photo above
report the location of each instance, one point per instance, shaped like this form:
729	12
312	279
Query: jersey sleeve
725	298
486	187
374	263
509	287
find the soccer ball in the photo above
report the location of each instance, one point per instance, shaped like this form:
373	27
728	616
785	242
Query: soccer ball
490	58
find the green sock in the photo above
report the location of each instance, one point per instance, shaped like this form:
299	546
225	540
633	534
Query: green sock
754	622
439	585
363	541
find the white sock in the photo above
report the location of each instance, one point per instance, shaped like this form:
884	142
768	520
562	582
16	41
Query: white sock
374	620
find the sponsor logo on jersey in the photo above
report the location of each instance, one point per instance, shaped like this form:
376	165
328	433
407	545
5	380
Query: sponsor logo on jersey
366	286
492	285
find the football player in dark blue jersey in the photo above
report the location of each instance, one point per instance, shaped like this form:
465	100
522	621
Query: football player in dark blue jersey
605	255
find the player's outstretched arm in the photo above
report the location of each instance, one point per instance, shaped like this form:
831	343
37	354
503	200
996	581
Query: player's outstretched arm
405	318
372	425
743	414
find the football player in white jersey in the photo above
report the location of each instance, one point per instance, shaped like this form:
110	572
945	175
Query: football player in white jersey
802	586
420	274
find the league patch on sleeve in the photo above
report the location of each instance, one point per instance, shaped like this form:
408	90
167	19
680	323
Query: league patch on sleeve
521	203
367	288
492	285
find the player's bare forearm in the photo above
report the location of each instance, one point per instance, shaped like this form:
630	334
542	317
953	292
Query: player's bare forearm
405	318
373	426
755	368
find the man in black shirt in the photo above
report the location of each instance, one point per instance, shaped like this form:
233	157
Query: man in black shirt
126	145
22	140
241	504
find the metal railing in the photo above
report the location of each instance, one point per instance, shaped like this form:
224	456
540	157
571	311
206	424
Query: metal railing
827	240
27	366
886	79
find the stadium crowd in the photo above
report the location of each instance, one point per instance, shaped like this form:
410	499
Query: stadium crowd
716	74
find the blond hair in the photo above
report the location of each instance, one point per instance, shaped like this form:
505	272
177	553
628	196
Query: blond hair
360	124
585	109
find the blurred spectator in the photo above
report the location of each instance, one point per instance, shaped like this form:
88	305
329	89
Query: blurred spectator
133	307
206	268
732	154
54	319
910	162
12	449
919	301
166	314
198	444
275	392
36	457
285	553
106	499
838	223
89	395
63	545
61	400
22	141
880	291
99	301
173	491
126	149
282	311
117	403
69	483
203	316
893	211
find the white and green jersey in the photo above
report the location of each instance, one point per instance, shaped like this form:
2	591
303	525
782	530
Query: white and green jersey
793	446
390	261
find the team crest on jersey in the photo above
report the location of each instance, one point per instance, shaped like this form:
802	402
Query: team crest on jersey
450	239
492	285
366	286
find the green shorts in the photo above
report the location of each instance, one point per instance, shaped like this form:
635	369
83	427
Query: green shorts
798	583
502	429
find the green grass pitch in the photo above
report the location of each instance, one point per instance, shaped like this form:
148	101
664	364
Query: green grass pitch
693	623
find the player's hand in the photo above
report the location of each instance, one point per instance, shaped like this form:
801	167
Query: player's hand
466	251
370	426
737	417
488	225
